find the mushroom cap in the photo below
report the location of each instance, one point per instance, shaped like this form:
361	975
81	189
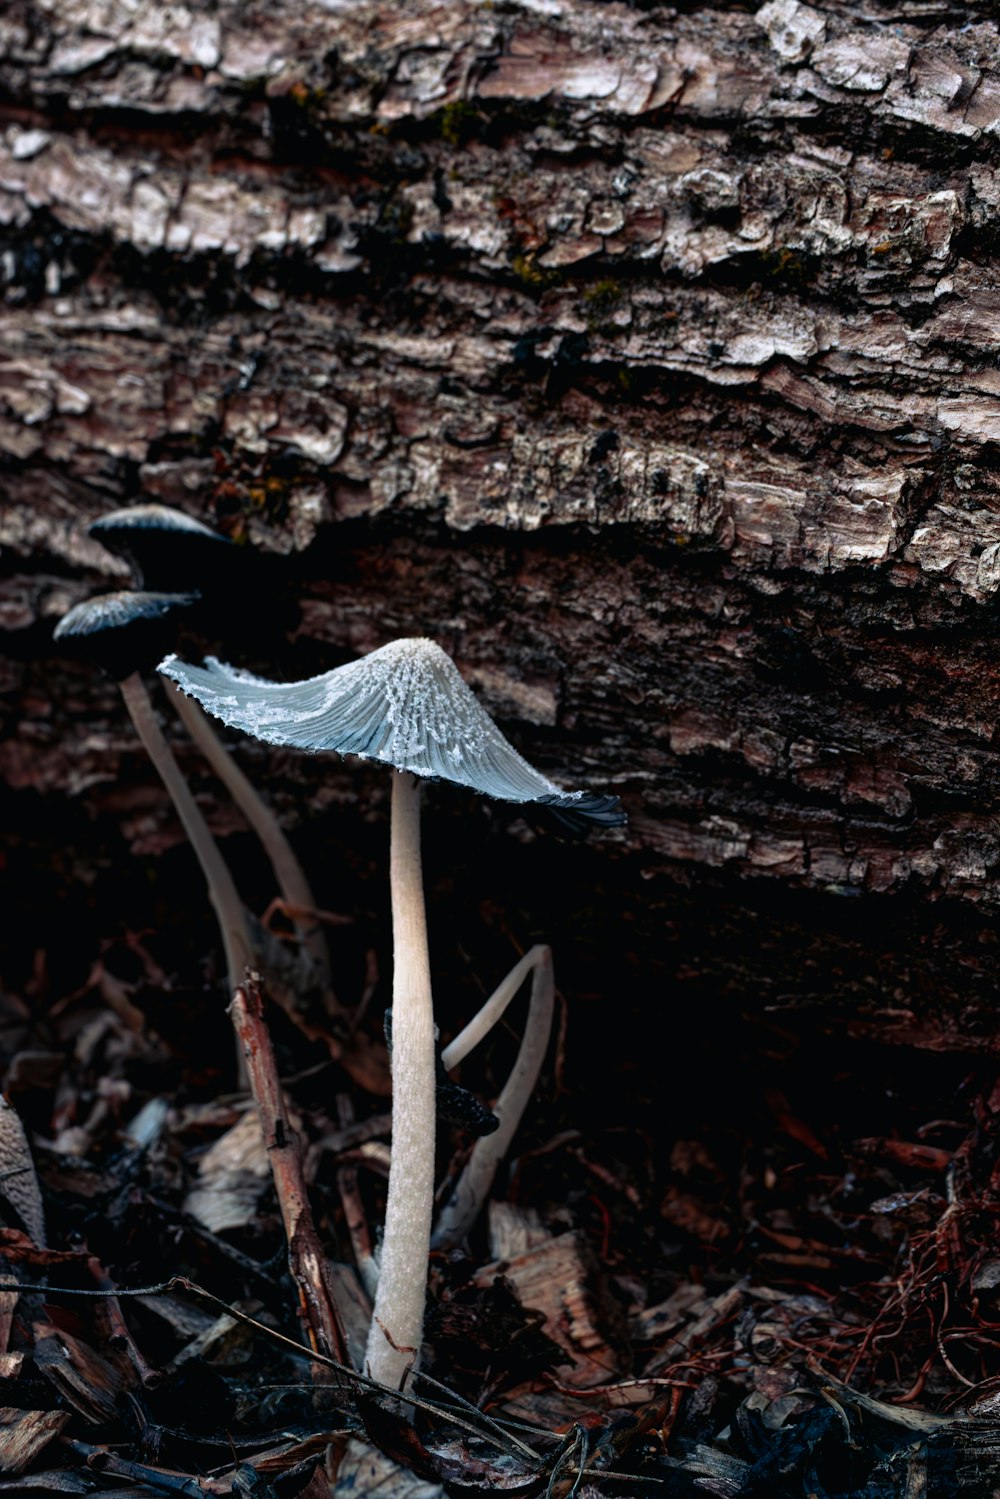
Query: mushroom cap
170	551
405	706
167	548
117	611
151	517
123	631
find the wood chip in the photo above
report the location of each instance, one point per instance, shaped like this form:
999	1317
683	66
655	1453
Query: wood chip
719	1310
655	1322
224	1341
364	1470
233	1175
23	1435
561	1279
354	1306
87	1381
514	1230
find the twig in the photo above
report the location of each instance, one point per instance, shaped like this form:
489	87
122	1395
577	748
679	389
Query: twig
487	1428
256	1272
100	1460
306	1260
121	1336
481	1425
354	1215
574	1451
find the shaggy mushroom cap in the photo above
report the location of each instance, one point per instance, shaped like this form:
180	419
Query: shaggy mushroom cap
404	705
125	631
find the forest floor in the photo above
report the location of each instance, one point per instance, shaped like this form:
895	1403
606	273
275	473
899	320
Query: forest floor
797	1293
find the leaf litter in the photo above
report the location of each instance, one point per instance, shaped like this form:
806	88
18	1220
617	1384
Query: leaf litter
627	1320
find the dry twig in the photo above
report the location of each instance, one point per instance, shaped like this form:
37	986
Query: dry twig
306	1260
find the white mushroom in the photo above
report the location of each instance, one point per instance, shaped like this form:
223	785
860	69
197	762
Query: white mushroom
407	707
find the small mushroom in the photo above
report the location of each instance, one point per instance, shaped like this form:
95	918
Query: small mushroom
167	548
125	632
406	706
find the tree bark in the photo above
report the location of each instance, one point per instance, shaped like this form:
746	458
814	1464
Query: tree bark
645	358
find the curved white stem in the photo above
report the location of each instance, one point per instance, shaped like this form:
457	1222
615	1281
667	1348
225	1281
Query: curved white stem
288	872
398	1317
486	1018
221	889
473	1186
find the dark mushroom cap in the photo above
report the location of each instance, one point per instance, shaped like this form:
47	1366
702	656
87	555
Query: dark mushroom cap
123	632
165	547
404	705
247	594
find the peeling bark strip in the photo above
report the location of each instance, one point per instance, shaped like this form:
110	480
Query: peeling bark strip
651	354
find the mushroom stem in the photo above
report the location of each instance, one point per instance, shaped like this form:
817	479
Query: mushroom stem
473	1186
398	1316
221	889
487	1016
288	872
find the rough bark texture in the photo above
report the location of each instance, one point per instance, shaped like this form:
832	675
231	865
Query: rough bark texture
644	357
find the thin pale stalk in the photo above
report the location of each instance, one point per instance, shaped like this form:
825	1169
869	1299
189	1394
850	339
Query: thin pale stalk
398	1317
221	889
288	872
473	1186
489	1013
